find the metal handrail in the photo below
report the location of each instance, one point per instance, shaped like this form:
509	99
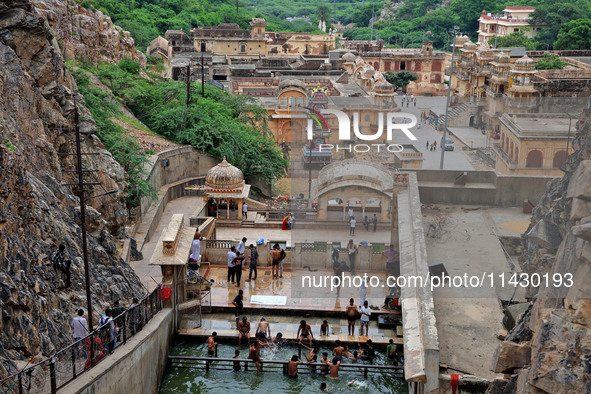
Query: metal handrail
210	363
67	364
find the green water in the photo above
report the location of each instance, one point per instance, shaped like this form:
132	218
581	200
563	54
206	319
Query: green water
185	380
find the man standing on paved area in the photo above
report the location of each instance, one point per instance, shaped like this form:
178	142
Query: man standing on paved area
241	246
352	249
231	268
239	304
238	264
281	257
392	267
254	258
352	224
375	222
351	316
240	249
244	211
365	314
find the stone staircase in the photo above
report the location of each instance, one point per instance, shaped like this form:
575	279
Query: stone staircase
453	112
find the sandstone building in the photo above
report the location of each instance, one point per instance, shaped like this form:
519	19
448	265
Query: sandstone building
513	19
426	63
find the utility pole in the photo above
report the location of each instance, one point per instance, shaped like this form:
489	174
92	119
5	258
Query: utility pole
496	30
372	16
82	213
455	32
189	83
202	77
335	10
310	173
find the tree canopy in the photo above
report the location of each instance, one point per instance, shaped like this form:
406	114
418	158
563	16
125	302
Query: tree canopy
516	39
550	62
575	35
220	124
400	79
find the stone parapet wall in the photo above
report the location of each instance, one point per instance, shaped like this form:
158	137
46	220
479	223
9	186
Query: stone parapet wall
482	188
421	343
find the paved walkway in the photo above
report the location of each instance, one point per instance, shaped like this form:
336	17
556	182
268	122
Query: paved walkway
454	160
336	234
469	318
471	137
151	275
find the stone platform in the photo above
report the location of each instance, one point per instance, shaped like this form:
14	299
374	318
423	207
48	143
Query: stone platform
317	302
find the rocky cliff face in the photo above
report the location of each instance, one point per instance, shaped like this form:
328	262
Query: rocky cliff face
82	33
37	212
549	350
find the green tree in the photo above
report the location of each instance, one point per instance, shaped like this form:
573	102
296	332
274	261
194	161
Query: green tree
516	39
575	35
550	62
553	14
400	79
322	12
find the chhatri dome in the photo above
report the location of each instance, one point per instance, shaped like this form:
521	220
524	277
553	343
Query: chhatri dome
224	178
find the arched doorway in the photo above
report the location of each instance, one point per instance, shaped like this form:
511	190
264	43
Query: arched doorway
559	159
534	159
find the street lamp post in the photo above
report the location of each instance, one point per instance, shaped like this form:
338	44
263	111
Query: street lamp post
455	32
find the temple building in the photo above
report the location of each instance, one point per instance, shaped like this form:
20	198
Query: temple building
426	63
226	44
225	191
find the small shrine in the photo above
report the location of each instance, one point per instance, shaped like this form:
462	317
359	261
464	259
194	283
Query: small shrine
225	190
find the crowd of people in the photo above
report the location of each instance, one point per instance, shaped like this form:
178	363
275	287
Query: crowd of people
324	364
110	325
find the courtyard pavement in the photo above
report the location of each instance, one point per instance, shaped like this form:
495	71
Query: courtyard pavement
469	318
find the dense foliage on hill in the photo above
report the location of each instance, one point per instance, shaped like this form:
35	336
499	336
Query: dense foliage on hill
146	19
219	123
410	22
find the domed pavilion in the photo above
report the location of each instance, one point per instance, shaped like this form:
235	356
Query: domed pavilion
225	188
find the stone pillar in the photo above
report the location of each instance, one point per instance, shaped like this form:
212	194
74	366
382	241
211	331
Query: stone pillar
240	202
363	259
228	208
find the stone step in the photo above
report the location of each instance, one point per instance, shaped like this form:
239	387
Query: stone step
290	336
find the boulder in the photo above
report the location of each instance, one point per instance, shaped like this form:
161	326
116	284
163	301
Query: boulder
510	356
579	209
545	234
580	183
583	231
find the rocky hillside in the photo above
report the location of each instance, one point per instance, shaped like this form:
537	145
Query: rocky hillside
86	34
549	350
37	212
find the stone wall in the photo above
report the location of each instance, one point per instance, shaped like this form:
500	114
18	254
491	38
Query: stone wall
136	367
482	188
421	341
174	165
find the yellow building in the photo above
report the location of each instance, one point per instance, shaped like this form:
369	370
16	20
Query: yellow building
533	144
513	19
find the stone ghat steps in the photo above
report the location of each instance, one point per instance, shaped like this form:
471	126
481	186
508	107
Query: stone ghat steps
291	337
300	310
